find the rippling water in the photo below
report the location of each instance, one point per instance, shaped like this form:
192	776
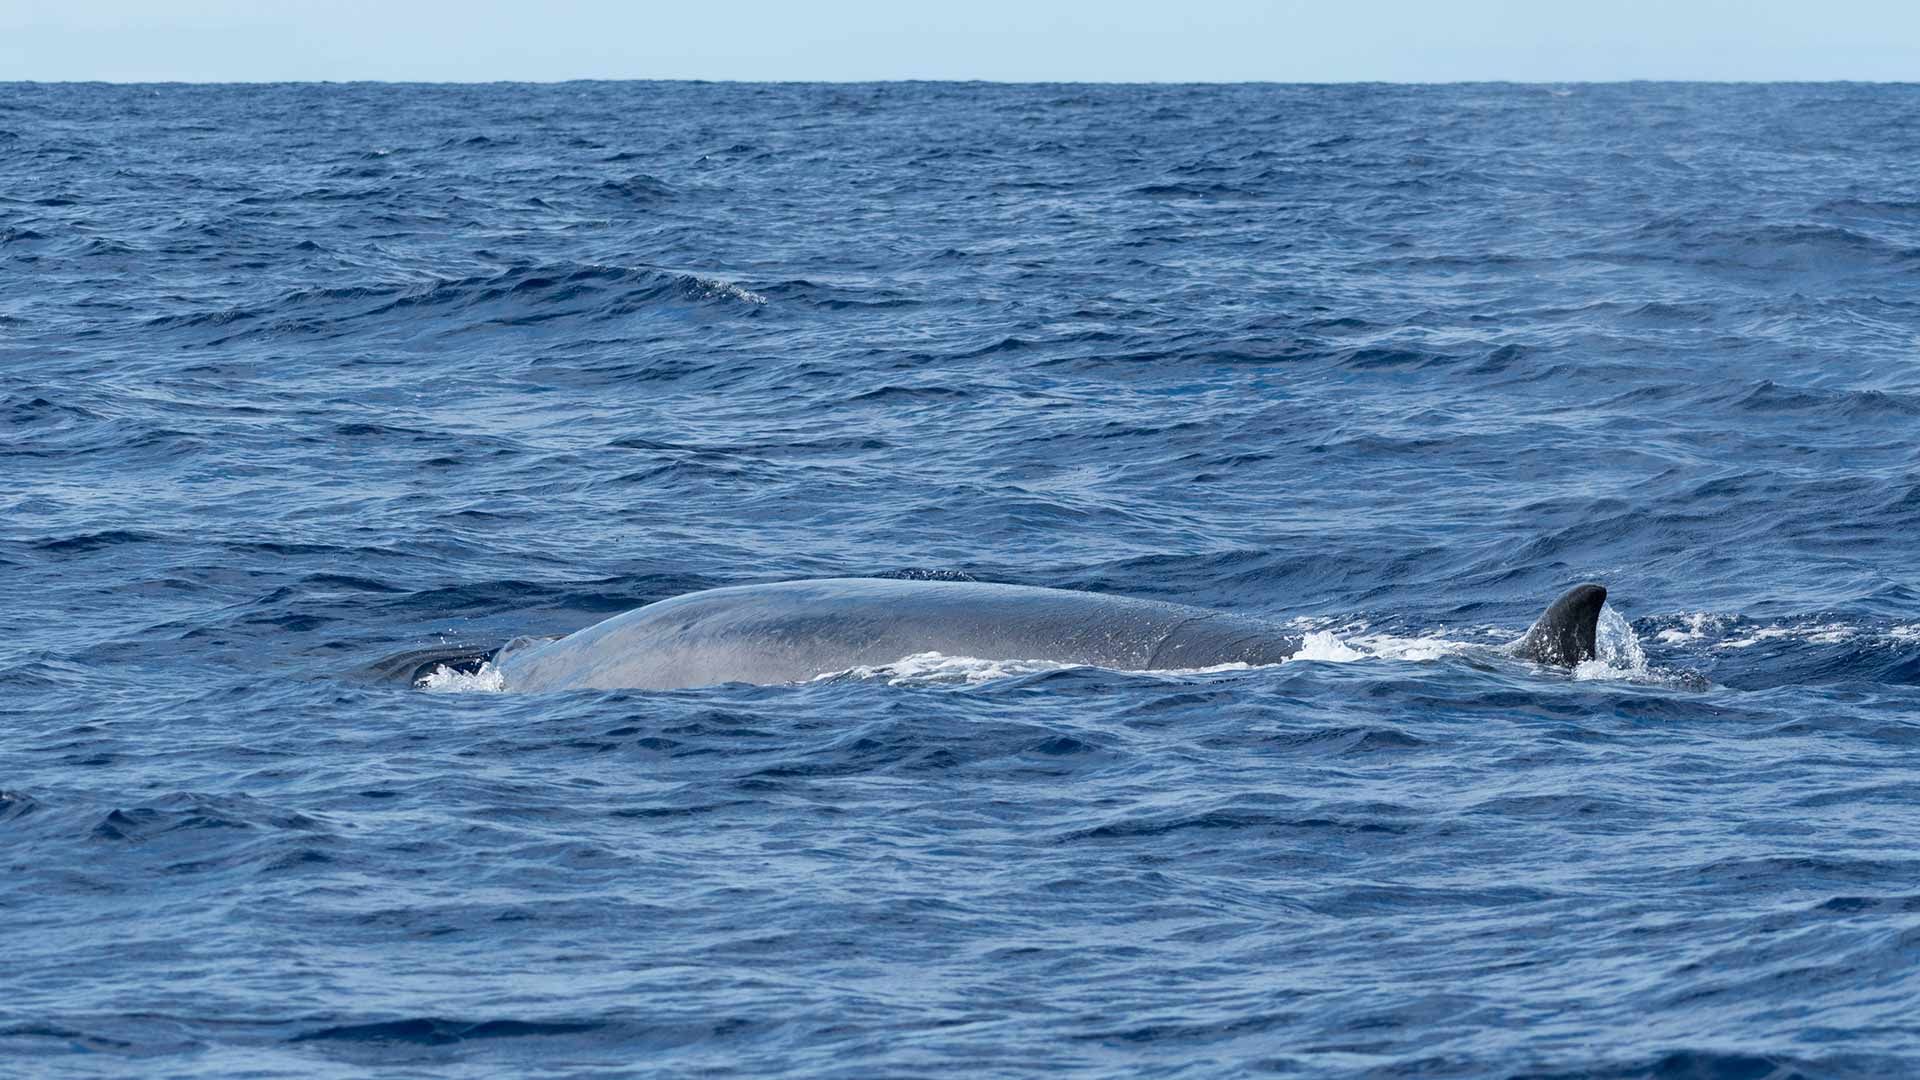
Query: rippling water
299	384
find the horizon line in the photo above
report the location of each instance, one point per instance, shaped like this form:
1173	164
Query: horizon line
1638	80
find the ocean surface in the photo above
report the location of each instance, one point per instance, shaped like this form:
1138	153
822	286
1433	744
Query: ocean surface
303	387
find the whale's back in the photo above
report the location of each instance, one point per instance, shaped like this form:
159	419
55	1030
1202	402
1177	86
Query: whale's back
794	631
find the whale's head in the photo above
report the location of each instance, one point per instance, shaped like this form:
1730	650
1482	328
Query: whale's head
1564	633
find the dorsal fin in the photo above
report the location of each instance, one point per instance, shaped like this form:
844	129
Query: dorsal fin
1564	633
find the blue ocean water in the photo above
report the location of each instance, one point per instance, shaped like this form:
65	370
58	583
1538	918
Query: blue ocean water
300	384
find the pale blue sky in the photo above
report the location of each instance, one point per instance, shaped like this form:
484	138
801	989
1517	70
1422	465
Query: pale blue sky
1112	40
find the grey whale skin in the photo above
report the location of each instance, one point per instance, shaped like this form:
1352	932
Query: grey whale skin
794	631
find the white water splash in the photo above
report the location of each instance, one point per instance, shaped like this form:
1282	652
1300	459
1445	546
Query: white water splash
1617	651
1327	641
1715	631
1316	646
1821	634
445	680
1326	646
1615	643
939	669
1699	624
716	289
1619	657
1419	650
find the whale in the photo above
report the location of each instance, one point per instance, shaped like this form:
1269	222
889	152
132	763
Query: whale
796	631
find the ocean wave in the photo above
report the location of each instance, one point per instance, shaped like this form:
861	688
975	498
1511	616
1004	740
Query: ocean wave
1768	396
522	295
638	188
436	1031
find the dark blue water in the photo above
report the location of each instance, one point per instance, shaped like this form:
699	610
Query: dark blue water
295	380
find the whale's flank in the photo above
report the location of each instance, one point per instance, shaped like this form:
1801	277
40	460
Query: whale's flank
796	630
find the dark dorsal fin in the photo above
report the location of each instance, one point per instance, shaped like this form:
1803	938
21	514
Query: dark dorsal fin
1563	635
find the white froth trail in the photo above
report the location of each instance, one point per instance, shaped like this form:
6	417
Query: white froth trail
1322	642
1820	634
1718	631
1698	626
939	669
1316	646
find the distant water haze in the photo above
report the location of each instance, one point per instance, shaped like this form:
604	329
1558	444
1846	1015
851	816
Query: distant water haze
1002	40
